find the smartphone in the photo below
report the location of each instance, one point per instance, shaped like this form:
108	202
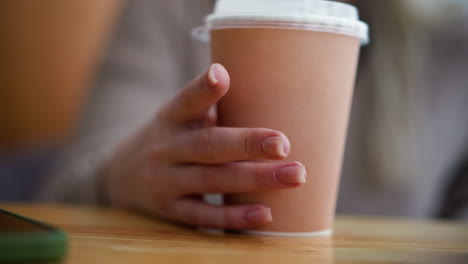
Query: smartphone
26	240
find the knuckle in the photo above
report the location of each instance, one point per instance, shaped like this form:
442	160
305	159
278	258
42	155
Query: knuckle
208	181
162	208
192	217
252	142
168	210
259	179
205	144
187	181
160	186
155	153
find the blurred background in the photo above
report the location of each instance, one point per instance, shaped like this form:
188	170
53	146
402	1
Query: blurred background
77	77
49	53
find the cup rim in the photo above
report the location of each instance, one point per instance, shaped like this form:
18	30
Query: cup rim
312	15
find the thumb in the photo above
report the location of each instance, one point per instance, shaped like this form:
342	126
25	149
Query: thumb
195	100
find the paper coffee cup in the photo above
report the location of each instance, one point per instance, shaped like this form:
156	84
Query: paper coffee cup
292	65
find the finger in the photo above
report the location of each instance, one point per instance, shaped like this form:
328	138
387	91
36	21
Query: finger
221	144
197	213
237	177
198	96
211	118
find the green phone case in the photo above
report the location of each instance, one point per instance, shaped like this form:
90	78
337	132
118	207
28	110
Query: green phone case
47	245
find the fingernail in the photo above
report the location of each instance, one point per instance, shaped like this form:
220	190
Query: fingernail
295	174
276	146
212	75
259	216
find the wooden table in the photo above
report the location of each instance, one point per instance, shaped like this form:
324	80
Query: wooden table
116	236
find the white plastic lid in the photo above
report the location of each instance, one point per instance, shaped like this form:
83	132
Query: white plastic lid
315	15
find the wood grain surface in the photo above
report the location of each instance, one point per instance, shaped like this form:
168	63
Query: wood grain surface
118	236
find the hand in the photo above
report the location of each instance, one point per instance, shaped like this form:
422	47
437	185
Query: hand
181	154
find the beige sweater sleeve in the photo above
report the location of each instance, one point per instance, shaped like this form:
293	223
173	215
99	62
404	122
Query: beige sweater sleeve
151	55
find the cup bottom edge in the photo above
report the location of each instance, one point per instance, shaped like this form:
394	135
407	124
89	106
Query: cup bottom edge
322	233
